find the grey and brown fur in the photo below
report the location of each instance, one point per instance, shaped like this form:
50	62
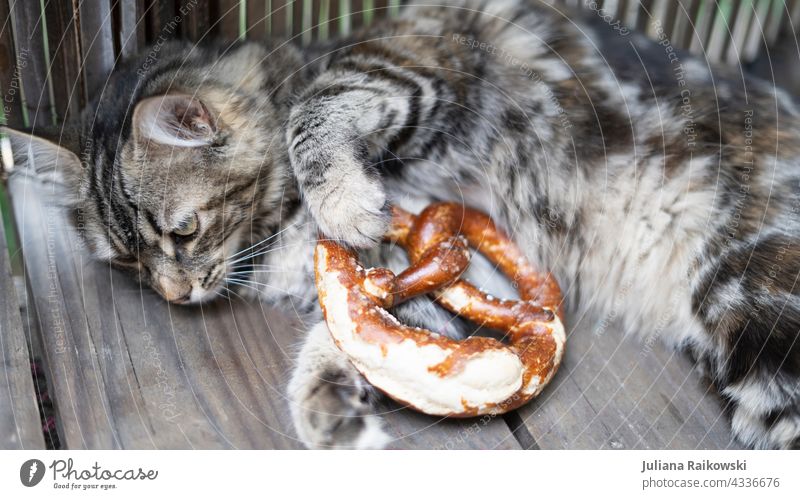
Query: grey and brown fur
653	185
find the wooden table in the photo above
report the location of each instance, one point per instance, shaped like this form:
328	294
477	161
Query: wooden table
127	370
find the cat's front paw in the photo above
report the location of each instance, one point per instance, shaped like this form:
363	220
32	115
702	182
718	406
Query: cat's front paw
352	210
333	411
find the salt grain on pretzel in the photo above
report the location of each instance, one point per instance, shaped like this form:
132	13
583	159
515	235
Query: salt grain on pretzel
430	372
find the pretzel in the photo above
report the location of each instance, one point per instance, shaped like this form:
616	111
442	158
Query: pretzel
422	369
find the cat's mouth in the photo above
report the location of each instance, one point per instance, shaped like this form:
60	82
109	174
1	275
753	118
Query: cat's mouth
196	291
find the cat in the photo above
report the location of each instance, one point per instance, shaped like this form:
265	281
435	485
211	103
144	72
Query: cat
651	183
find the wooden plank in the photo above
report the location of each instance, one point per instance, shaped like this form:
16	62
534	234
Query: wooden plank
645	15
326	19
20	427
726	35
307	20
615	391
9	78
97	45
196	19
628	12
381	9
703	24
65	61
130	371
756	37
257	19
684	22
412	430
225	19
160	14
669	19
297	18
357	13
735	52
344	17
278	18
394	7
777	13
29	40
133	23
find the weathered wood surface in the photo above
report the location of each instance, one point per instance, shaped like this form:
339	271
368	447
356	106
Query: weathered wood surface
615	391
20	427
28	27
130	371
65	68
9	76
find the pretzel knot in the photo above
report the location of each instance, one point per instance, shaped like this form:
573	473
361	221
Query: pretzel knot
432	373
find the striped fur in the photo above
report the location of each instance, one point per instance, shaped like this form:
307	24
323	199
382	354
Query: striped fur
658	189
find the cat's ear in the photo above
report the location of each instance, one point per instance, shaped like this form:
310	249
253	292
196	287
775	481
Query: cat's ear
174	120
56	158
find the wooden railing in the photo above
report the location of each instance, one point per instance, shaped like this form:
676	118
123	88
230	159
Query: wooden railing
53	59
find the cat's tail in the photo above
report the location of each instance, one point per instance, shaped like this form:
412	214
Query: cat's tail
751	310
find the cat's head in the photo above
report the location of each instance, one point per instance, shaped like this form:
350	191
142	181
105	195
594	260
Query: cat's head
175	191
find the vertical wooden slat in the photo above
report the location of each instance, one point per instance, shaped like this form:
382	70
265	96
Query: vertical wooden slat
152	20
643	18
356	14
306	21
297	17
225	19
794	12
9	80
704	20
277	18
623	12
65	61
162	12
322	19
381	9
611	8
367	12
756	35
97	44
394	7
684	22
20	427
195	18
773	23
257	19
29	41
314	16
132	27
345	20
335	24
734	53
668	15
721	32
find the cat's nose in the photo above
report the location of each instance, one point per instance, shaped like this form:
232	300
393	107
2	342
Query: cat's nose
173	291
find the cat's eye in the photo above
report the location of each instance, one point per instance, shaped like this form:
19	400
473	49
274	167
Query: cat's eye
187	227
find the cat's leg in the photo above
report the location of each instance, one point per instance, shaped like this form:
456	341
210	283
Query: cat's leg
361	109
750	306
331	404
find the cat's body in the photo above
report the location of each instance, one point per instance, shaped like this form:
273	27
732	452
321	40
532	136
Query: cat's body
654	188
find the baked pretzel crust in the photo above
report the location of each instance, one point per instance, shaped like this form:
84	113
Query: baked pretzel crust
432	373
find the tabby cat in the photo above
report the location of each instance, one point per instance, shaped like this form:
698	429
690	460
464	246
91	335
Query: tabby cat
652	184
